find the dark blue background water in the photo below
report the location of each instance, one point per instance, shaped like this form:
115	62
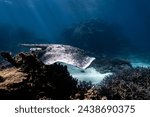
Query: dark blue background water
43	21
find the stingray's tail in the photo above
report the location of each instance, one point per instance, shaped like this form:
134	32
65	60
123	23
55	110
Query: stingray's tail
42	46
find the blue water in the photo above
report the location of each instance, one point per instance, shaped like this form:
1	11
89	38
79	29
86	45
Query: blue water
44	21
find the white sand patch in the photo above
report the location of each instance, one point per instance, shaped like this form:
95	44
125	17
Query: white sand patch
89	74
139	63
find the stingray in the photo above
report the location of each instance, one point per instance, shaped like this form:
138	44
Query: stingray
52	53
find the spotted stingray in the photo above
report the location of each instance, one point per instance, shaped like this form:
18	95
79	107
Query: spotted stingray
52	53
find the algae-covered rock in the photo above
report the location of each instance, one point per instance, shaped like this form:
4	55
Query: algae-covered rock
31	79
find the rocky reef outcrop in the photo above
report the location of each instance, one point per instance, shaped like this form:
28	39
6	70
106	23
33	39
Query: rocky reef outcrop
96	35
31	79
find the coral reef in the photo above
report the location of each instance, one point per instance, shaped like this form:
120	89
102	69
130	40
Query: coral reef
34	80
86	91
107	64
131	84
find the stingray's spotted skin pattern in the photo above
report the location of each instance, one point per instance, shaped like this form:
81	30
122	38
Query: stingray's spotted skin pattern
52	53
